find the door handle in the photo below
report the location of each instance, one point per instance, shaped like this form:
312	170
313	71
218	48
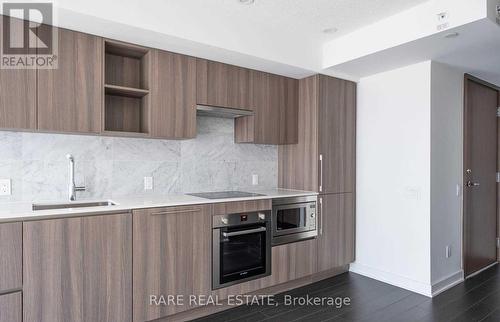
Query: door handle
321	215
470	184
172	212
320	172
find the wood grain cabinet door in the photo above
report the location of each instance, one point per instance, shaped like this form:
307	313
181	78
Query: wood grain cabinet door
337	231
70	97
293	261
289	111
172	256
78	269
18	99
337	135
173	94
11	307
222	85
11	254
17	93
274	100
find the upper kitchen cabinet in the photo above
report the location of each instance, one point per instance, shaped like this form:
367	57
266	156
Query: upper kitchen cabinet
18	99
17	95
324	158
173	93
289	106
274	100
70	97
222	85
127	81
337	135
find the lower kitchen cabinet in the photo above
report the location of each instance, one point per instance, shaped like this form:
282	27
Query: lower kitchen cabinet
11	307
11	252
78	269
336	240
172	257
293	261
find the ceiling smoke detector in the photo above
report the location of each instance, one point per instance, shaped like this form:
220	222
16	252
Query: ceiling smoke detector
247	2
331	30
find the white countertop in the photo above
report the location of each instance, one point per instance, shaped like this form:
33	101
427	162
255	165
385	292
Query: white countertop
21	211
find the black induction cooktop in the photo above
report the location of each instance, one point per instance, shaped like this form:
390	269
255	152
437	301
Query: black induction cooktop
225	194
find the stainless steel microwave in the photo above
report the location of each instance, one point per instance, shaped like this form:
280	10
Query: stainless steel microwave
294	219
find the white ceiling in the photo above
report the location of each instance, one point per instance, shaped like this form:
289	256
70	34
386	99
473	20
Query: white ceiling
303	18
476	51
282	36
306	18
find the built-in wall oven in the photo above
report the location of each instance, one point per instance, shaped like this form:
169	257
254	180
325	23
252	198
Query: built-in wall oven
294	219
241	248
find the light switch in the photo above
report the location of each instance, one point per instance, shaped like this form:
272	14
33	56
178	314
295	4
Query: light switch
255	179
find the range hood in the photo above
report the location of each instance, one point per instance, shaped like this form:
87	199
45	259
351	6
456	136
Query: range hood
225	112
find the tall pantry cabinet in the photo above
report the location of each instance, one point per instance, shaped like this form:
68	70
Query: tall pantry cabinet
324	160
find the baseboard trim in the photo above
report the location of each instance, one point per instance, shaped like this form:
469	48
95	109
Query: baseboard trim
393	279
447	282
481	270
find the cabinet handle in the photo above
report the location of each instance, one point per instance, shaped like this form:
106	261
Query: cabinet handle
321	215
320	172
171	212
245	232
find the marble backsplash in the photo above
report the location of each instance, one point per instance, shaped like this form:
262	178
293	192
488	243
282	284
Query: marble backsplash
111	167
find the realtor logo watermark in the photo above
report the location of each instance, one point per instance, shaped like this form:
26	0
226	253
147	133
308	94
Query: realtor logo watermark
28	39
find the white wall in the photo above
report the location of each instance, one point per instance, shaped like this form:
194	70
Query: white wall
446	173
409	163
393	177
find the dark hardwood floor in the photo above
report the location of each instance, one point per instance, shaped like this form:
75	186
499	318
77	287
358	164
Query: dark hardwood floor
476	299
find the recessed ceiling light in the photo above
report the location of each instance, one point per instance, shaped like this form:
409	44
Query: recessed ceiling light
247	2
331	30
452	35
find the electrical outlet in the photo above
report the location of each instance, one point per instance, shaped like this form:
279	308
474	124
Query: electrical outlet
148	183
255	179
448	251
5	187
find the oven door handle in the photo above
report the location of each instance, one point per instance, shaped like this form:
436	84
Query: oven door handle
244	232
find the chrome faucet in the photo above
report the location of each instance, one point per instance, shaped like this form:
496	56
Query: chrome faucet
72	188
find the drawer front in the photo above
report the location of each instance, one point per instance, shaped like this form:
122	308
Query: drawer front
11	258
10	307
242	206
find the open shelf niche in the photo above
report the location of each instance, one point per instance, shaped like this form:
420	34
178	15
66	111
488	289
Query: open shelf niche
127	71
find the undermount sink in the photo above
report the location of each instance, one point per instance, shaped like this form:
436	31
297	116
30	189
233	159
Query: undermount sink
74	204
